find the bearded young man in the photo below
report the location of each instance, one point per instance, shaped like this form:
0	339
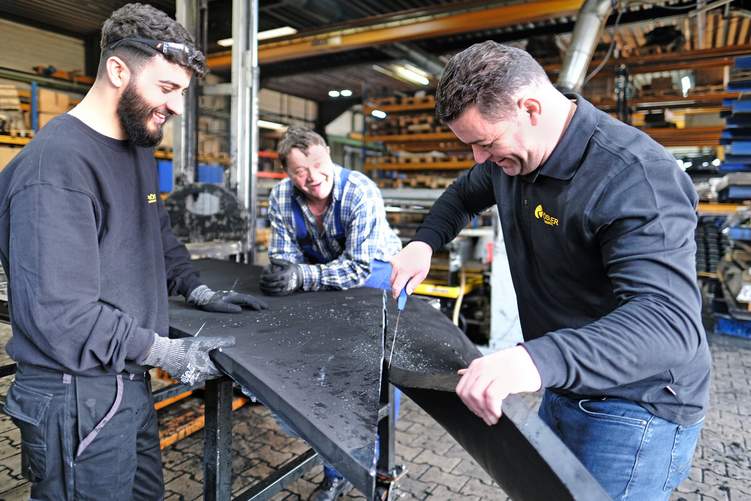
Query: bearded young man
90	258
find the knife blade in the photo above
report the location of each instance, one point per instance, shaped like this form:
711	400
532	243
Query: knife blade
401	303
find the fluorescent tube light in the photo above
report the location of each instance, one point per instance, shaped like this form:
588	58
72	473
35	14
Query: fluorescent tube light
265	124
263	35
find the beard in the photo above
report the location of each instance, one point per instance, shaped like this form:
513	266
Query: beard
135	114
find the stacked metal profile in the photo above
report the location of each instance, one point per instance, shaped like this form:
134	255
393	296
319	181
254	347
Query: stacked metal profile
711	243
737	134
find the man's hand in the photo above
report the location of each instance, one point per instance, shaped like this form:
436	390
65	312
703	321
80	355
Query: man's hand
223	301
410	265
186	359
281	278
490	379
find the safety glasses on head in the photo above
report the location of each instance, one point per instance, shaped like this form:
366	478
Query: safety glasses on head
183	54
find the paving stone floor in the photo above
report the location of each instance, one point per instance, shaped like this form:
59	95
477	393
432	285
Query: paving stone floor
438	469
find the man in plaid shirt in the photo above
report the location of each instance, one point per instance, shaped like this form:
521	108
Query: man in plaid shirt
328	223
329	231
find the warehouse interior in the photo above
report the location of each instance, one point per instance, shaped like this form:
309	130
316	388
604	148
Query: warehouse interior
363	75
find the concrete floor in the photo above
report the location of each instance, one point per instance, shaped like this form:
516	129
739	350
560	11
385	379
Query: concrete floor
438	469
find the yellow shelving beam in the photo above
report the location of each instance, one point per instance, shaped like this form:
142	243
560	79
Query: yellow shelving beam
12	140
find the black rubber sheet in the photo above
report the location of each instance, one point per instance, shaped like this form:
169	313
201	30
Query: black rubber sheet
316	360
521	453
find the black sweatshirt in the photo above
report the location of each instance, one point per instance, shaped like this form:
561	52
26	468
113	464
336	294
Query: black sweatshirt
600	240
88	250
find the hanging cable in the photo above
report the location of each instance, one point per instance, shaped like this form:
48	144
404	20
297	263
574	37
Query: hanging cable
610	49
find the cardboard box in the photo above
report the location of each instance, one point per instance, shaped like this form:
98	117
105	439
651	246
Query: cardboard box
209	146
168	134
50	101
44	118
7	154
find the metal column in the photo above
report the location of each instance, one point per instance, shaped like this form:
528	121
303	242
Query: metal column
387	428
590	20
185	132
217	449
35	106
244	130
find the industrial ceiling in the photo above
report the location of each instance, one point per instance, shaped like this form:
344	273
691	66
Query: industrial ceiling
376	34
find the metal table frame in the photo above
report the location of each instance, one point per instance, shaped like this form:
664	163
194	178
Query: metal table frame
217	442
217	447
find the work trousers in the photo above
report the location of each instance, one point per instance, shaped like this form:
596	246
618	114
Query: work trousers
632	453
87	438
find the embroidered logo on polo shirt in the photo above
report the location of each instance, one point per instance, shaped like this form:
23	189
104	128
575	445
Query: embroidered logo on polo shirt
151	198
546	218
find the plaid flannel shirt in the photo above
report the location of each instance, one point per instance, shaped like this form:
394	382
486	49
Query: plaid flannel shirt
363	217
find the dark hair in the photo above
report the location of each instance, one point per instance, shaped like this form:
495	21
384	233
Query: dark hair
135	20
300	138
488	75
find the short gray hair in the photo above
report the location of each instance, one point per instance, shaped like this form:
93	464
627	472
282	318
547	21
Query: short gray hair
488	75
300	138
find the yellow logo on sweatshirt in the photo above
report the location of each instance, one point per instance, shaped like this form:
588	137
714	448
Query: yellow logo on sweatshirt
151	198
547	218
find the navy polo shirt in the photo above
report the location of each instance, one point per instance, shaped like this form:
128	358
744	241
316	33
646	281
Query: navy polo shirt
600	241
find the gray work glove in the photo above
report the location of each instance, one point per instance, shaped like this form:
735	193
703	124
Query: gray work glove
223	301
186	359
281	278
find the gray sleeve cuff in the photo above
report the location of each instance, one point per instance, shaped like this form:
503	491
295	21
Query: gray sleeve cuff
549	361
140	345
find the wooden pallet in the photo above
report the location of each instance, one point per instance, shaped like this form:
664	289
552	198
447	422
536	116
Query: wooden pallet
383	101
417	181
9	99
411	100
21	133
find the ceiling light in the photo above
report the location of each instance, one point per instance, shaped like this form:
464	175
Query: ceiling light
265	124
411	75
345	92
276	33
378	114
263	35
333	93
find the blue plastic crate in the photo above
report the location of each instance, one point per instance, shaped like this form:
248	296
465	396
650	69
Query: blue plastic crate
738	159
734	167
740	148
743	62
739	233
210	174
735	193
741	105
740	86
732	327
165	175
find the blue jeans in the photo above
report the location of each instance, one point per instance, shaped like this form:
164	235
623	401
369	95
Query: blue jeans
631	452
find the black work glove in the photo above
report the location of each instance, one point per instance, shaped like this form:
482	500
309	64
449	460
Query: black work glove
186	359
223	301
281	278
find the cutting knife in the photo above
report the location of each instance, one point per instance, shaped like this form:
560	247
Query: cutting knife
401	302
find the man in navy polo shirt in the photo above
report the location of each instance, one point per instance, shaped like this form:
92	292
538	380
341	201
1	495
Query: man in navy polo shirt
599	224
